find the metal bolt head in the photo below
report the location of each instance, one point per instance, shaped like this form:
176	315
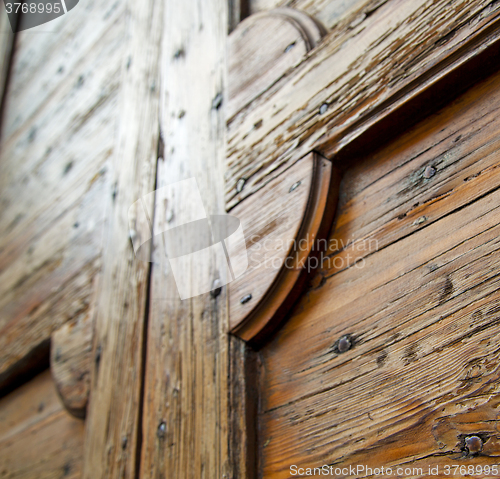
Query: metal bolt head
246	299
216	288
474	444
344	344
162	430
429	172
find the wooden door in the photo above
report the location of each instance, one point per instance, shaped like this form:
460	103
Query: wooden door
387	364
387	355
390	357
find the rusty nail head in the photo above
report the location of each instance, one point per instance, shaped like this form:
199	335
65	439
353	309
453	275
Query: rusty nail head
474	444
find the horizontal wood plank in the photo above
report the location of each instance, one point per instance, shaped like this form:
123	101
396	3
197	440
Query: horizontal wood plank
357	76
393	360
38	437
70	362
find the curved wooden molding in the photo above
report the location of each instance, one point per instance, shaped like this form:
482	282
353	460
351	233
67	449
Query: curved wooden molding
263	48
282	223
70	356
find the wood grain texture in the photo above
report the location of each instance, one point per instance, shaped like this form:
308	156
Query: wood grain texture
189	430
112	423
262	49
38	438
328	12
271	220
70	361
395	53
286	224
391	358
57	137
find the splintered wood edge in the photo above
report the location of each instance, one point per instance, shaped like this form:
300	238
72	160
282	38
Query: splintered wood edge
316	223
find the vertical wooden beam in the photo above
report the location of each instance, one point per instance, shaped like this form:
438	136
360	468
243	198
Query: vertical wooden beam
187	428
113	417
7	41
237	11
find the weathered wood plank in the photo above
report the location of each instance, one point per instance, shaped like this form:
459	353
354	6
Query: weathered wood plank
394	361
38	438
188	428
70	362
53	179
439	170
271	223
51	56
321	104
112	424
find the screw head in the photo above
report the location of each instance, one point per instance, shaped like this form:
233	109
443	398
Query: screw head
216	288
343	344
429	172
162	430
246	299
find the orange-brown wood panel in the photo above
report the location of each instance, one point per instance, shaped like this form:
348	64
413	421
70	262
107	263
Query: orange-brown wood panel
38	437
391	357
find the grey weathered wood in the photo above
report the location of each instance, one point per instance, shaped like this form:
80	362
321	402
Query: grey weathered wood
112	424
38	438
187	421
57	136
262	49
70	361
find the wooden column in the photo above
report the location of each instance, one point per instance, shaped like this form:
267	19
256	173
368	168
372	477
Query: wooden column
112	424
187	429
